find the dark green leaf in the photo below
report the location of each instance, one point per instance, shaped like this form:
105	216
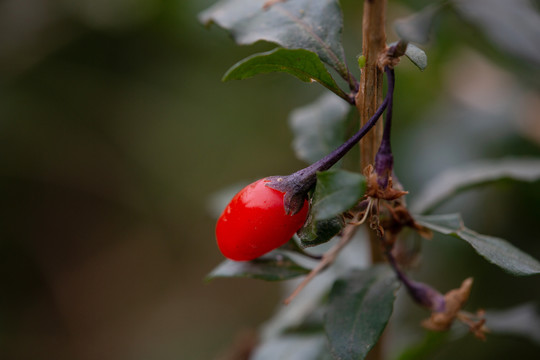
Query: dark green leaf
318	232
417	27
359	307
294	24
303	64
274	266
453	181
319	127
292	347
336	191
495	250
445	223
513	26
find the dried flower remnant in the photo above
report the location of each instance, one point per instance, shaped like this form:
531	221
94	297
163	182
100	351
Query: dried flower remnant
445	309
454	301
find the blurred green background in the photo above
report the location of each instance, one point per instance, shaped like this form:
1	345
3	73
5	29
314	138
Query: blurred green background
115	130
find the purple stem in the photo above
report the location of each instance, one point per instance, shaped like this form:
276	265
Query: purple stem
384	160
331	159
421	293
296	185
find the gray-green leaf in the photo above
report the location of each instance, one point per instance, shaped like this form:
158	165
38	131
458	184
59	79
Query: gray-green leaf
336	191
359	307
453	181
417	56
522	320
417	27
513	26
319	127
303	64
294	24
495	250
274	266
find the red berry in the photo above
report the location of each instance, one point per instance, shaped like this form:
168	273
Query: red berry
255	223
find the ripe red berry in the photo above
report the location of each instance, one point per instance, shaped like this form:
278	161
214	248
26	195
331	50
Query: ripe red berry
255	222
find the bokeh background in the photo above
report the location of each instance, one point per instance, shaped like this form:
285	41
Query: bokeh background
116	131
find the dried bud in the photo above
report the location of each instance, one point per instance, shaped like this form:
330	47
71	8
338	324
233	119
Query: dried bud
454	302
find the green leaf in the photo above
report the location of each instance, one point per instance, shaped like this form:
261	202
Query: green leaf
294	24
417	27
513	26
319	127
318	232
336	191
303	64
359	307
417	56
495	250
453	181
275	266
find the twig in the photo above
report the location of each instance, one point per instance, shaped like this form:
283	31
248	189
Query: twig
327	259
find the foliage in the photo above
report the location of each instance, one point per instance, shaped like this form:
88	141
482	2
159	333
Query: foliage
359	302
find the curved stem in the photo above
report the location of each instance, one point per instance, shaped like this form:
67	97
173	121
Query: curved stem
297	185
331	159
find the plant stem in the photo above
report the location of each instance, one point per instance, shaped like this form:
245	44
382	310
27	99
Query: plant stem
369	96
368	99
297	185
384	160
331	159
327	259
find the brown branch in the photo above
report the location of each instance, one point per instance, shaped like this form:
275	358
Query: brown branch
368	99
369	96
327	259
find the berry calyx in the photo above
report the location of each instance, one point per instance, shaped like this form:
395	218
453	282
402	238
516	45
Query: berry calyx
255	223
